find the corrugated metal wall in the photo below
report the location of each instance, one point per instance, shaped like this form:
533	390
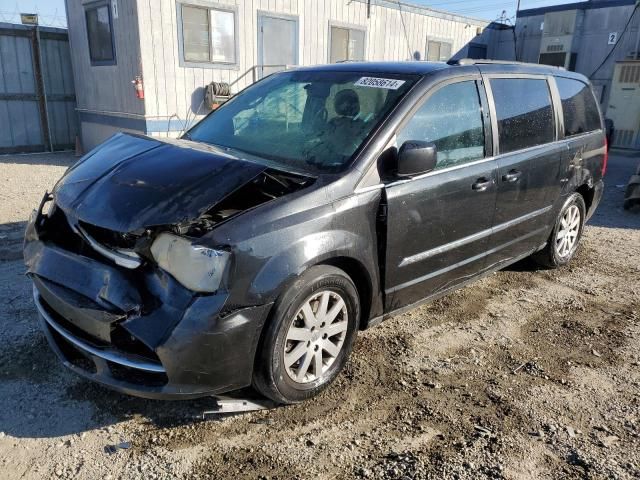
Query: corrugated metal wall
59	85
172	90
19	113
24	85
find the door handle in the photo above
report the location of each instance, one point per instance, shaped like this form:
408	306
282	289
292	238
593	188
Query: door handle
512	177
481	184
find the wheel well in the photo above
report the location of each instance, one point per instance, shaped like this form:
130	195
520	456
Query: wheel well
361	279
587	194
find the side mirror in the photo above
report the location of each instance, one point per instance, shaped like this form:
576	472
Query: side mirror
416	157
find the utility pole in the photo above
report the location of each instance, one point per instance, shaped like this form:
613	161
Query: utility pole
638	37
515	34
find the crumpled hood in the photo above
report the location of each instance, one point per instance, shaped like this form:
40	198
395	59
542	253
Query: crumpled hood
131	182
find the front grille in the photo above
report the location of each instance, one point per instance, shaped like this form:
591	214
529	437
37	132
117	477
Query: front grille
138	377
124	341
120	338
74	356
70	327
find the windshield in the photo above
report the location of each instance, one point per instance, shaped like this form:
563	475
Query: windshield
307	121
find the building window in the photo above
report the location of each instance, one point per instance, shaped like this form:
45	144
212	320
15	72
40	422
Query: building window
208	35
346	44
438	51
100	35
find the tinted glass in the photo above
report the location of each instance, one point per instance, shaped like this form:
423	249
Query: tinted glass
579	108
525	116
309	121
452	119
99	34
195	34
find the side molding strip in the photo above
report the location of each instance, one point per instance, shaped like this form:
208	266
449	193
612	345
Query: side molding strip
418	257
463	262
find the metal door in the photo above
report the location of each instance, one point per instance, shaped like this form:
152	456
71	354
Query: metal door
58	84
624	105
277	43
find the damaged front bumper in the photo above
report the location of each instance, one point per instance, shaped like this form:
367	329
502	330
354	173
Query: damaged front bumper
138	331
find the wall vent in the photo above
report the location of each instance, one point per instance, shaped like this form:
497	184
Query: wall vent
555	48
623	138
629	74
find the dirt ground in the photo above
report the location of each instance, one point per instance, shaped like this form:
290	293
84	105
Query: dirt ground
526	374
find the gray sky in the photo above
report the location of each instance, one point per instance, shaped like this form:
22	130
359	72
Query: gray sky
52	11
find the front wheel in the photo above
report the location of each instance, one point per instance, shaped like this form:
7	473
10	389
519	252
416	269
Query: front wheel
309	337
566	234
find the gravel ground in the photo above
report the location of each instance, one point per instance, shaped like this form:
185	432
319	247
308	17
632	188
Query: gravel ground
526	374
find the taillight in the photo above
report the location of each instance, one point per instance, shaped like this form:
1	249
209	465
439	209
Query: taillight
606	156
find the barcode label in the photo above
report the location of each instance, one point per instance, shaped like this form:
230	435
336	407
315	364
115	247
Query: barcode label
386	83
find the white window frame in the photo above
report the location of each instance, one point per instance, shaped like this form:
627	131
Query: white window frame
438	40
235	65
347	26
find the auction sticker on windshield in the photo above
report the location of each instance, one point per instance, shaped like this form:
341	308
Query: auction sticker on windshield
387	83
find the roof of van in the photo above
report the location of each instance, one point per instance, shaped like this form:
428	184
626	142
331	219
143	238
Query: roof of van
425	68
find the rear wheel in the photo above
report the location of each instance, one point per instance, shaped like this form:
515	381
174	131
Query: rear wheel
566	234
309	337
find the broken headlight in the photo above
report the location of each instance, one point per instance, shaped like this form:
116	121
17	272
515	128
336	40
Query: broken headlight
198	268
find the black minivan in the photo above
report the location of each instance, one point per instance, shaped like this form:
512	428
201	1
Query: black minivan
313	204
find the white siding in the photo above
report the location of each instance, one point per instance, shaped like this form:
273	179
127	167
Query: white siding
172	90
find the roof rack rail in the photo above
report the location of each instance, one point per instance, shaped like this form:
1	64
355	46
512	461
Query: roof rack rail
478	61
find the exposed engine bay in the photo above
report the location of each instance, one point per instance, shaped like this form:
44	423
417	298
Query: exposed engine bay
267	186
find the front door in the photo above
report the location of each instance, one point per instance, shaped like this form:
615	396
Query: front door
277	43
528	166
438	223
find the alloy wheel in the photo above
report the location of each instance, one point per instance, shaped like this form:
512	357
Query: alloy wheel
567	235
316	336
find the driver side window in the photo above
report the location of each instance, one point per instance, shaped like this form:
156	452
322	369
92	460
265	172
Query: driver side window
451	118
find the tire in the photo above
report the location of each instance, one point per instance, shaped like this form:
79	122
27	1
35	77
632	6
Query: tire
294	330
556	254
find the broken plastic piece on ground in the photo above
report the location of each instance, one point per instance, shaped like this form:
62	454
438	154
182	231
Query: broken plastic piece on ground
111	449
237	405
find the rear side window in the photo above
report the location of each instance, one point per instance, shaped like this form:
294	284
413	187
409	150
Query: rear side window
452	119
525	116
579	108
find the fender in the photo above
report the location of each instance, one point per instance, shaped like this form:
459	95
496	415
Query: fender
276	246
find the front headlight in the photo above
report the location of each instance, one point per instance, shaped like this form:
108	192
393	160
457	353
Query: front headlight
198	268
